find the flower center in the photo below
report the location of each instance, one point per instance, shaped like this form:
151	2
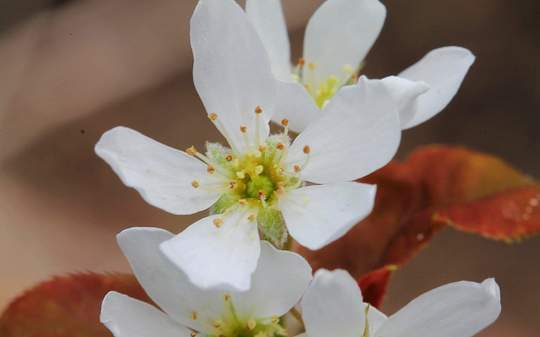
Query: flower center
324	90
232	325
252	180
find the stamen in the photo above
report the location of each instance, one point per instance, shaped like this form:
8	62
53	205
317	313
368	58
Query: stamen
195	184
251	217
229	157
221	128
301	62
251	324
232	185
211	169
217	222
259	169
285	124
280	146
297	168
226	297
194	315
258	112
241	174
192	151
243	202
193	334
275	319
243	128
307	149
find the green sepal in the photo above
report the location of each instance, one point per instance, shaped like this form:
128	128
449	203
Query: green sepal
224	202
272	226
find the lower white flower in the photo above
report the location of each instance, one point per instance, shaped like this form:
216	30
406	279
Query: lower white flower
277	285
333	306
259	184
338	37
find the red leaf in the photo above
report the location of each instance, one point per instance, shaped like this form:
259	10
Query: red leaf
434	187
65	306
375	283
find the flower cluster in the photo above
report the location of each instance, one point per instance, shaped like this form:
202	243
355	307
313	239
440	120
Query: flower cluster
225	275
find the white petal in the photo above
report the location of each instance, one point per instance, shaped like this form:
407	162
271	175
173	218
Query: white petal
128	317
332	306
405	93
269	22
319	214
458	309
213	257
277	285
340	33
231	70
358	133
443	70
296	105
162	175
375	319
168	286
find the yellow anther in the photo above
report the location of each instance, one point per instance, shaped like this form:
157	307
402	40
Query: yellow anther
280	146
217	222
243	202
307	149
297	168
348	69
311	66
258	109
195	184
241	174
251	324
251	217
285	122
275	319
192	150
193	334
262	195
243	128
259	169
227	297
301	62
262	148
218	323
229	157
211	169
194	315
212	116
232	185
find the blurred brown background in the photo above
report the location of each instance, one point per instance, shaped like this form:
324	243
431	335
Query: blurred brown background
70	70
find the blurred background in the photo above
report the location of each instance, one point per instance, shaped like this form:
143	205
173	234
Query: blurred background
71	70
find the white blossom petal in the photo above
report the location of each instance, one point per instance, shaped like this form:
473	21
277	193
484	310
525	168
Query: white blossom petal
277	285
128	317
231	70
296	105
162	175
339	34
219	251
269	22
405	93
166	285
358	133
319	214
332	306
458	309
443	70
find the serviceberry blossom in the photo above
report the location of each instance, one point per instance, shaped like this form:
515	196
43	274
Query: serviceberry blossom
333	306
260	186
338	37
188	311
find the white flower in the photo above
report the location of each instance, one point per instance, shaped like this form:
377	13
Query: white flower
278	283
258	184
338	37
333	306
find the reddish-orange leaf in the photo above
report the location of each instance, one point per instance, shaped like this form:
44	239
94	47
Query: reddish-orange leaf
65	306
434	187
374	284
